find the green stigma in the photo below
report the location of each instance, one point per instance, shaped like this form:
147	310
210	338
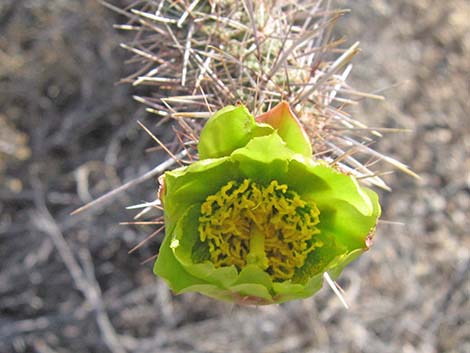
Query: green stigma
268	226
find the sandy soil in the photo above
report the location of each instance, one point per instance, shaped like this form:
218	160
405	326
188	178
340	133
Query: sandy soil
68	134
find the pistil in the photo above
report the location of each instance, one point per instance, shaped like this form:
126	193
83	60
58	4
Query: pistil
257	255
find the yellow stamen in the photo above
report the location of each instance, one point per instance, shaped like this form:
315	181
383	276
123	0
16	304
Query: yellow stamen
271	227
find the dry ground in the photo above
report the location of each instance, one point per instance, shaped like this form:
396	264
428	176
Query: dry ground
68	134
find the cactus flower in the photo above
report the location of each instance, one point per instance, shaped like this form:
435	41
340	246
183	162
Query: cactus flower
257	220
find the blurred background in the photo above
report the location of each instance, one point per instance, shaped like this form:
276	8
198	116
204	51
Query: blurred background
68	133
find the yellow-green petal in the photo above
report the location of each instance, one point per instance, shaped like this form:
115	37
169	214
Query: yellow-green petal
288	127
228	129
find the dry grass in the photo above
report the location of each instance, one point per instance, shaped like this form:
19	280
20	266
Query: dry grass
67	283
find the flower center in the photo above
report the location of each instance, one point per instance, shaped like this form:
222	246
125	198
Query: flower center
271	227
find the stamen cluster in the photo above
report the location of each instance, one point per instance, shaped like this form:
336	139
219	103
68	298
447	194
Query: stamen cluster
270	226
